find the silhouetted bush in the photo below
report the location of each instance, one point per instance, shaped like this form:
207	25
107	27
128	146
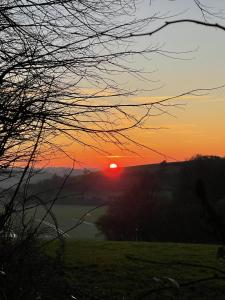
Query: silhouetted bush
28	272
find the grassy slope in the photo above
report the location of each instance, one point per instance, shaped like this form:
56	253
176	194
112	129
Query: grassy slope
103	271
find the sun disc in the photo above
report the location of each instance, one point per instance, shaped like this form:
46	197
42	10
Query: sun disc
113	166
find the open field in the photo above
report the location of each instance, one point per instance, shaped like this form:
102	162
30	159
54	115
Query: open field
125	270
68	215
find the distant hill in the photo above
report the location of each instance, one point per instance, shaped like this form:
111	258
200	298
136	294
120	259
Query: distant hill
98	187
11	178
61	171
94	187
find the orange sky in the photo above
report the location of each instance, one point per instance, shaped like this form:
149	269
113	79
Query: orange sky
197	128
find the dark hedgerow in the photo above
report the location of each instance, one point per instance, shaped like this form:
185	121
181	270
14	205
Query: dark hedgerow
28	272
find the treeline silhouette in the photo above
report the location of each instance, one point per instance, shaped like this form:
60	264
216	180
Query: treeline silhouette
166	205
152	202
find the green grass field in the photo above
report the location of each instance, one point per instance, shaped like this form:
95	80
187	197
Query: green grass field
67	216
125	270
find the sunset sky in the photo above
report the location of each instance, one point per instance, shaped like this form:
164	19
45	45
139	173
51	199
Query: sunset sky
198	125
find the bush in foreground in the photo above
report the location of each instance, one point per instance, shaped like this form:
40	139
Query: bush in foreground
28	272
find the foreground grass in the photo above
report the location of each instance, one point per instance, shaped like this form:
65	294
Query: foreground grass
125	270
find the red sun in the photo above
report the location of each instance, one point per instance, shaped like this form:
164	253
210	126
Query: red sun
113	170
113	166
